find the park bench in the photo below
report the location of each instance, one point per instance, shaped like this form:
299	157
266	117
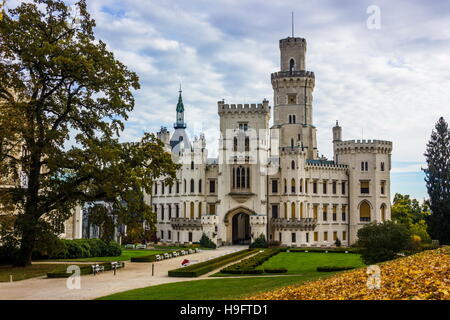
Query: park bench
167	255
191	251
96	269
129	246
183	252
176	254
159	257
141	246
197	250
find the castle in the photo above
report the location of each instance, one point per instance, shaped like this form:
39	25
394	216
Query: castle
271	180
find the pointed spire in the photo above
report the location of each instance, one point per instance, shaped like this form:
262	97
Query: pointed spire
180	105
180	124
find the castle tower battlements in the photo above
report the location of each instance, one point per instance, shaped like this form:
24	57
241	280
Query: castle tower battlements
239	108
363	146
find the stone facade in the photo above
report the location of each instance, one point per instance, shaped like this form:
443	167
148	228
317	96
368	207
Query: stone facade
270	179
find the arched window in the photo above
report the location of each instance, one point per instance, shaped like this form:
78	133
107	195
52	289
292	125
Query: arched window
162	187
383	212
293	210
184	182
366	164
247	144
293	118
248	178
362	166
184	210
192	211
364	212
200	186
285	186
170	189
235	144
285	210
292	142
291	65
192	185
293	185
290	119
382	166
301	186
301	210
292	164
199	209
192	165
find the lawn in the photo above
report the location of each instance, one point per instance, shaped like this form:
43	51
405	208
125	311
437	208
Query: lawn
125	256
35	270
307	262
214	289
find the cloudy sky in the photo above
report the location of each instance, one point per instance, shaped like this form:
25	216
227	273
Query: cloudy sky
391	83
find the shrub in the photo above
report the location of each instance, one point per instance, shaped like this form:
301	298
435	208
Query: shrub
337	243
206	242
333	268
113	249
382	242
83	270
280	270
260	242
274	243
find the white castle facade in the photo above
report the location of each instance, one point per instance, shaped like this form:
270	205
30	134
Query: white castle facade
270	179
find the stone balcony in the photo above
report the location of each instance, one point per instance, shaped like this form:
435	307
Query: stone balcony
304	224
185	223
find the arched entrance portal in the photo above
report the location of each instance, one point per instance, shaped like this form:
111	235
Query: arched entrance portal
241	229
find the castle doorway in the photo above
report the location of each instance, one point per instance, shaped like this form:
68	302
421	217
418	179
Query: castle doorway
241	229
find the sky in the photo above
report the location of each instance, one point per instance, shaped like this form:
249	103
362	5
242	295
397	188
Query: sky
388	83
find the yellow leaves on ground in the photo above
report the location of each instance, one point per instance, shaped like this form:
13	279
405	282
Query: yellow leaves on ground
422	276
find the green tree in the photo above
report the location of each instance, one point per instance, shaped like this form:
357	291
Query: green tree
382	241
58	83
412	214
437	177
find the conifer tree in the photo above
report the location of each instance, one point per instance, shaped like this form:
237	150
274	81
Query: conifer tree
437	177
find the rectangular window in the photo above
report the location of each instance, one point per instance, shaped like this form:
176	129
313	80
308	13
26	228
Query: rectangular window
178	186
162	212
294	237
177	211
212	186
275	211
334	213
325	208
307	237
170	211
280	236
364	187
343	213
315	209
190	236
344	235
156	188
325	187
274	186
169	235
316	236
314	187
243	126
334	235
334	187
383	187
306	185
162	234
343	187
325	236
212	208
199	209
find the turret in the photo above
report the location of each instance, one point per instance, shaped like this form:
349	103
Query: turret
337	137
180	124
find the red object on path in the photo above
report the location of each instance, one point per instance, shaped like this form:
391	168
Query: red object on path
185	262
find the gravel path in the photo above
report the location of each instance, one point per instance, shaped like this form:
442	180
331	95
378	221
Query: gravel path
135	275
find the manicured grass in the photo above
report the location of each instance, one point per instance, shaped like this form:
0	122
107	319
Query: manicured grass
125	256
35	270
305	263
214	289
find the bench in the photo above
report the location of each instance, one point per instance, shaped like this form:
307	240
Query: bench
141	246
159	257
97	268
129	246
176	254
167	255
183	252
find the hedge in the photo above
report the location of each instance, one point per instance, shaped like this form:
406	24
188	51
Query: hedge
243	267
333	268
280	270
84	270
79	248
322	250
198	269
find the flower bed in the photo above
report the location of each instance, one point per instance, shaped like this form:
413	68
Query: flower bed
248	266
198	269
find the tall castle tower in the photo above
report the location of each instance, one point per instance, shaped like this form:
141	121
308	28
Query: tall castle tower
293	87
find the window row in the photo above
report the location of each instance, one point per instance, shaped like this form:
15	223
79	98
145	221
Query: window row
365	166
293	211
162	189
303	186
365	187
185	210
178	238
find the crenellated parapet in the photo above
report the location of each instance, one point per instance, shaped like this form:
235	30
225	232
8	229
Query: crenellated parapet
364	146
324	164
224	108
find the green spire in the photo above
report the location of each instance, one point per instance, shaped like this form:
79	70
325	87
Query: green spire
180	106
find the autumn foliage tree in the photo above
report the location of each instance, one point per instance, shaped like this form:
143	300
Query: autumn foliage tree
59	84
437	177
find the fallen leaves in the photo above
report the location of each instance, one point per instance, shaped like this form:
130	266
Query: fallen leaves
423	276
